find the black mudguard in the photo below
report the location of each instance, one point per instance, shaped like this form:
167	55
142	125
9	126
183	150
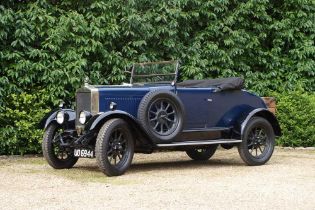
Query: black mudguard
260	112
69	123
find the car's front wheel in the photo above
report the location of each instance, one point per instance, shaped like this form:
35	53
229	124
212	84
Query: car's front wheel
57	156
114	147
202	153
258	143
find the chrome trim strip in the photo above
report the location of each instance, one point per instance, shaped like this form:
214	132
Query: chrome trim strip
208	142
95	99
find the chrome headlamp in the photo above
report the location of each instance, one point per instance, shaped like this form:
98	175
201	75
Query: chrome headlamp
84	116
60	117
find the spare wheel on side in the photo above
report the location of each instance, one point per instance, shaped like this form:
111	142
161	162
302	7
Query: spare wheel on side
161	114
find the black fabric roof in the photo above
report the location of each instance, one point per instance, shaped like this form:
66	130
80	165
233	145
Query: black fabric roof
231	83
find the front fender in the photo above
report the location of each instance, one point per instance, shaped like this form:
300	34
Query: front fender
98	120
264	113
51	118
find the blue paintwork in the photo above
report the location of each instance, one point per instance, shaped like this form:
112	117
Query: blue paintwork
126	98
204	108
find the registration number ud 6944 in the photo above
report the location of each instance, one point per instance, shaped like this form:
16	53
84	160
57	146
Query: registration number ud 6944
84	153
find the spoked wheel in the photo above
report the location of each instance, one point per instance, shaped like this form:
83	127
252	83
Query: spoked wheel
202	153
57	156
161	114
114	147
258	143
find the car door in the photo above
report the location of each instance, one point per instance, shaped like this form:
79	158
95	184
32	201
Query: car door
196	106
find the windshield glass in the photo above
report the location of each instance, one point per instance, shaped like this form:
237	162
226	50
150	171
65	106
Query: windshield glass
155	72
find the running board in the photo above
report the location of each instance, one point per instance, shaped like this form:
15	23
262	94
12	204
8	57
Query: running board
196	143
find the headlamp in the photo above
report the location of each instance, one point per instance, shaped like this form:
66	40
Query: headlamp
60	117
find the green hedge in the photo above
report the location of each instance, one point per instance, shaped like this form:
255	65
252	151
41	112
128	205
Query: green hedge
20	133
296	114
51	46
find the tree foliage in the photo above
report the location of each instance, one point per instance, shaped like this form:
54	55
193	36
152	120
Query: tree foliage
52	46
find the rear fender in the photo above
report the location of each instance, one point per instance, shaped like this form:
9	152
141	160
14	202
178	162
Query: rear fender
266	114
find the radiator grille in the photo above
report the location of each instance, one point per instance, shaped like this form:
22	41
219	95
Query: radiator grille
83	102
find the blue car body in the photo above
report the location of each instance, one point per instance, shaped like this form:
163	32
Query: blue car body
204	108
114	121
222	114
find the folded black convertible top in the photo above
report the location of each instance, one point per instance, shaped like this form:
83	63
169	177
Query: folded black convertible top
231	83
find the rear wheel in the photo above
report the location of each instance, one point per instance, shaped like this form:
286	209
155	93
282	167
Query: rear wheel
114	147
57	156
258	143
202	153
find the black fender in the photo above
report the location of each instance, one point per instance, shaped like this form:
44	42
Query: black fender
69	123
98	120
264	113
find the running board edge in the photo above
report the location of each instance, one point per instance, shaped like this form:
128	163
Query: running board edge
196	143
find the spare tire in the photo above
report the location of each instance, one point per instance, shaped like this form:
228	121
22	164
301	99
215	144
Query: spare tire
161	114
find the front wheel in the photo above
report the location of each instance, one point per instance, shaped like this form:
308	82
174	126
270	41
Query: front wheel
57	156
202	153
114	147
258	142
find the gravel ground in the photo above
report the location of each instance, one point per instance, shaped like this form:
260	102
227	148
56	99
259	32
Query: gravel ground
165	180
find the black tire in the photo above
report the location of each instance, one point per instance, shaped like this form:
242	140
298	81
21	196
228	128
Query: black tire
114	141
56	156
161	114
258	138
202	153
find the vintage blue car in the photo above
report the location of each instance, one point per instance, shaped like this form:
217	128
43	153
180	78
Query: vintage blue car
153	112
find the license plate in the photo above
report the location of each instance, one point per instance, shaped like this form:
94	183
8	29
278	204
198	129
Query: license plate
84	153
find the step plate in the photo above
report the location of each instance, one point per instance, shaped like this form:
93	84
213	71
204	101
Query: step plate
203	142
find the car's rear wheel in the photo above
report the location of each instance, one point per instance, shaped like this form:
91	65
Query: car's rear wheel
114	147
202	153
57	156
161	115
258	142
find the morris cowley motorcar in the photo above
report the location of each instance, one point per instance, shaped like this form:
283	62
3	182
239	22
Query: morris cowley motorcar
154	111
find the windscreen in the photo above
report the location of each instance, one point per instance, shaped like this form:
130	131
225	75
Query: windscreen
158	72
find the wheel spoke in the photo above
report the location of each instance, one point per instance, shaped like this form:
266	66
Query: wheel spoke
161	105
260	149
109	152
119	156
111	158
173	112
168	119
156	125
123	141
250	144
119	137
152	112
166	108
161	128
168	127
153	119
115	159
